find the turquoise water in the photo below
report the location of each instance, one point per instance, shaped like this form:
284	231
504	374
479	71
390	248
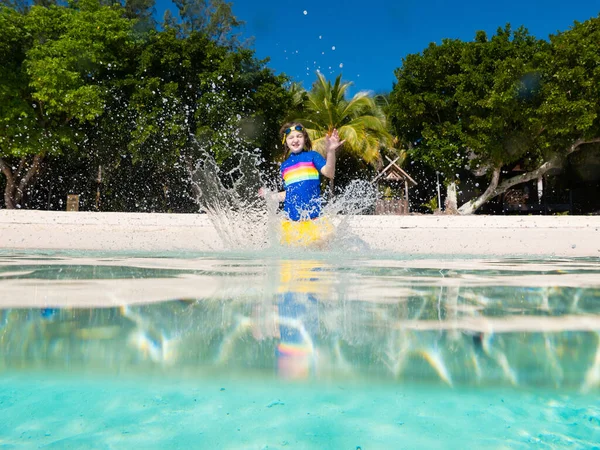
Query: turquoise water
312	350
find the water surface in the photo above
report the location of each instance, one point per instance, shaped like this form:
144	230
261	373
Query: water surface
300	350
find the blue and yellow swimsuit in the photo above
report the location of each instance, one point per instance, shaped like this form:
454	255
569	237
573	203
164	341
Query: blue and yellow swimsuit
301	179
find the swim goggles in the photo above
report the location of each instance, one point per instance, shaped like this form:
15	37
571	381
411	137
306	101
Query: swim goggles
289	130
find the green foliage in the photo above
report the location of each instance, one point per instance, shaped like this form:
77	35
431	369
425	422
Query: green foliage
183	98
359	120
432	204
569	85
82	83
142	12
423	107
212	18
470	103
192	93
54	75
56	60
492	102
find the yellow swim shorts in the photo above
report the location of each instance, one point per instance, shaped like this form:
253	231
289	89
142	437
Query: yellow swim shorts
305	233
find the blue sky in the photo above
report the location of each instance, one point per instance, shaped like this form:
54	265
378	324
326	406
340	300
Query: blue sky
366	40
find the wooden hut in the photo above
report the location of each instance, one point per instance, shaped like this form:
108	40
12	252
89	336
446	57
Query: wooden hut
393	176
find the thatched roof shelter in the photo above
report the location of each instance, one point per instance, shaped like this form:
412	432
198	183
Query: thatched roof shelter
393	173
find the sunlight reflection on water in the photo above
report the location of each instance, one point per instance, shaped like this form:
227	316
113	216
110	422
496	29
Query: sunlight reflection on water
424	330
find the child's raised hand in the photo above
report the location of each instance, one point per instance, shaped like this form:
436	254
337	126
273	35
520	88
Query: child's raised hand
332	141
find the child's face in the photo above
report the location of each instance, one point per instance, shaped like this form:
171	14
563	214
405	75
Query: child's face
295	141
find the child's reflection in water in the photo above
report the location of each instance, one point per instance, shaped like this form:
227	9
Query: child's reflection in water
298	326
295	322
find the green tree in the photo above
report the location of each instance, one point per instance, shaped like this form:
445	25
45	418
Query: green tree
499	96
181	99
569	115
213	18
142	11
397	151
550	112
55	60
359	120
423	105
476	106
194	92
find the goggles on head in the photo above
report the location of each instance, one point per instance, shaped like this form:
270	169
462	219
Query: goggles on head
287	131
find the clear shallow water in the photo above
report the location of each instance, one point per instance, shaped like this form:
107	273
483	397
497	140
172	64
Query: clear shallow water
306	350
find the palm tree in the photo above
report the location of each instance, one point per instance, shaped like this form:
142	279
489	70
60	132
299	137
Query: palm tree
360	121
397	149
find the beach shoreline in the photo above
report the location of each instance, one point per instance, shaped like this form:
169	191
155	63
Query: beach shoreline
560	236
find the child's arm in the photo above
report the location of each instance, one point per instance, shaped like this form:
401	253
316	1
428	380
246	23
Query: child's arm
270	195
332	143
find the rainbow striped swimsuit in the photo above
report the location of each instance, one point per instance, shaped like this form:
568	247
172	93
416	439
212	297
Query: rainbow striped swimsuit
300	173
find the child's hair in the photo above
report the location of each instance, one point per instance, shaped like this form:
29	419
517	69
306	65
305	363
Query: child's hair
307	141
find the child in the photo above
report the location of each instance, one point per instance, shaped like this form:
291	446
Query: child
300	173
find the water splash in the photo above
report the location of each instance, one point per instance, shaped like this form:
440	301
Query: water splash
245	221
231	199
357	198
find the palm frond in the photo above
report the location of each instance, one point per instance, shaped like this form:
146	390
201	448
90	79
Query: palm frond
359	120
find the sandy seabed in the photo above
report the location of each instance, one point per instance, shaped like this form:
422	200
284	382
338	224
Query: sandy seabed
68	412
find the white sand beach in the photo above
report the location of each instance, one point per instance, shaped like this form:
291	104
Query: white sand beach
569	236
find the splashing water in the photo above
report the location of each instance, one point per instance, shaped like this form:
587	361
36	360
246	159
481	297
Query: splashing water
246	221
357	198
237	212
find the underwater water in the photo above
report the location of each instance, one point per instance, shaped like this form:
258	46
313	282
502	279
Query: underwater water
276	349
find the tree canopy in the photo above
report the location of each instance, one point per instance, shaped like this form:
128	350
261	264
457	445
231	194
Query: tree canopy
487	104
84	84
56	60
97	98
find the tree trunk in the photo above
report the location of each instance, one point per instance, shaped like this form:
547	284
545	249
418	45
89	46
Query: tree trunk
494	189
473	205
451	203
18	181
9	189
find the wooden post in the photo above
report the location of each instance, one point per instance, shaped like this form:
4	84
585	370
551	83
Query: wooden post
73	202
98	182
